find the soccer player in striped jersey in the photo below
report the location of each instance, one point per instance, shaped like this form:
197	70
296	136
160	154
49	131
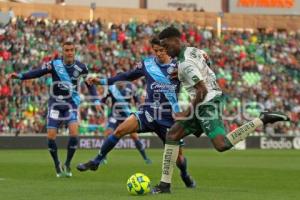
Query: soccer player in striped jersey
155	115
63	102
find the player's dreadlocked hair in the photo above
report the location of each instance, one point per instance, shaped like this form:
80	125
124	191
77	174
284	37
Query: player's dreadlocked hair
169	32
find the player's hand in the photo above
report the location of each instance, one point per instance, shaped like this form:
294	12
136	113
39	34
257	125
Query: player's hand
181	115
174	74
13	76
99	109
92	80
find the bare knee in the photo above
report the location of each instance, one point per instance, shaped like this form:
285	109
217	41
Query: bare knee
171	136
51	134
120	132
175	133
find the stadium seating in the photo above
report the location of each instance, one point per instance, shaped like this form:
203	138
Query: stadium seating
252	67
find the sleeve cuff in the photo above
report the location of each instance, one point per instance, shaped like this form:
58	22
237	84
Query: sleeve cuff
103	81
97	102
20	76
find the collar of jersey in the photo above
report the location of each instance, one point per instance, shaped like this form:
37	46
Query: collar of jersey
160	64
68	65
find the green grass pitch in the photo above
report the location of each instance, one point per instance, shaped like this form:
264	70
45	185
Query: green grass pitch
240	175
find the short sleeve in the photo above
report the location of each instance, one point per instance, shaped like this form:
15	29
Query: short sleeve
191	73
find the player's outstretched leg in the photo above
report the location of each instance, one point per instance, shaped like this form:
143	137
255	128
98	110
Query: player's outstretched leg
129	126
140	147
242	132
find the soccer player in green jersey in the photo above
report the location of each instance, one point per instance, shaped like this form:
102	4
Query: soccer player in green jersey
204	113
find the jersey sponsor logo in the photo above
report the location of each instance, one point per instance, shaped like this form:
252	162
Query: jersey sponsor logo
152	69
54	114
173	64
163	86
193	53
76	73
148	117
195	79
78	68
148	62
66	86
188	69
112	120
170	70
61	71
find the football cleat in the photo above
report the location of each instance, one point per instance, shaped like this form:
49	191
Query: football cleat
67	171
161	188
188	181
59	171
148	161
104	162
90	165
272	117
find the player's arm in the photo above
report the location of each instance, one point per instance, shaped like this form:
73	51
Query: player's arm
194	77
45	69
201	92
135	98
125	76
93	92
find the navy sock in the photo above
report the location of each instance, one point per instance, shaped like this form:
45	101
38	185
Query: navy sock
53	151
141	149
107	146
182	165
72	146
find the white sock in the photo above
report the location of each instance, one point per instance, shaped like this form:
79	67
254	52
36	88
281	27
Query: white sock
242	132
169	159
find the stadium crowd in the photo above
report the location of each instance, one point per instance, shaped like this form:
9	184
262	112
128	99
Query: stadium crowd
255	69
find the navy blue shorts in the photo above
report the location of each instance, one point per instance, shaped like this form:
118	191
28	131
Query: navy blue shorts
61	114
113	123
148	124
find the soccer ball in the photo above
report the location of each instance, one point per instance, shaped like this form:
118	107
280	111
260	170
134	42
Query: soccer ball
138	184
